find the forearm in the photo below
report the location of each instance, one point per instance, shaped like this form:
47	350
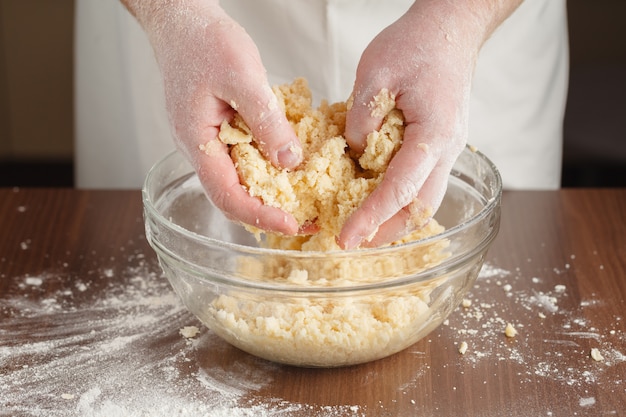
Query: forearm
144	10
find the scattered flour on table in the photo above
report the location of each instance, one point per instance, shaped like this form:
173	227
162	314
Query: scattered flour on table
119	351
539	311
122	351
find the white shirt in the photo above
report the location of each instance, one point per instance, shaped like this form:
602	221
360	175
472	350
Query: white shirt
517	101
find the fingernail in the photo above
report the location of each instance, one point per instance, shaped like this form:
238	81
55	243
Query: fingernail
289	156
353	242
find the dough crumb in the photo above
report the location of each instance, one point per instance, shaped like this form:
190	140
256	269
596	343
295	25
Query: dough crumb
189	332
510	331
466	303
211	148
463	348
382	103
67	396
596	355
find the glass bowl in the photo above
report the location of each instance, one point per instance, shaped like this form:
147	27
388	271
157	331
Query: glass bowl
319	309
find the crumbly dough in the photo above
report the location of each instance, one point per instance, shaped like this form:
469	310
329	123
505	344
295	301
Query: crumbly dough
328	186
322	332
331	182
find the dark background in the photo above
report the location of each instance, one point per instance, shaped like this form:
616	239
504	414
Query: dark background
36	95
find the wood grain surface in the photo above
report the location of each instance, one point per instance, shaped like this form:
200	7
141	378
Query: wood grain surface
88	326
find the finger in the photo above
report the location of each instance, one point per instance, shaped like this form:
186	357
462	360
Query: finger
417	214
407	172
276	139
308	228
217	173
367	108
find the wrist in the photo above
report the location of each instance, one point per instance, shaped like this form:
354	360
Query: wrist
467	24
488	14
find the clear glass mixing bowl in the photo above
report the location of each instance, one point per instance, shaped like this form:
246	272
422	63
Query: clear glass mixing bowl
319	309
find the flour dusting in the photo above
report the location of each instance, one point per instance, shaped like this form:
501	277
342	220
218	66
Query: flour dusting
536	310
130	350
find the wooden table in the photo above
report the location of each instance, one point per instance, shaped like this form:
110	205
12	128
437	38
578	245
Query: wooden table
89	327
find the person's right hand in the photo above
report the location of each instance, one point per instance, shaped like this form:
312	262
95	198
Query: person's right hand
212	68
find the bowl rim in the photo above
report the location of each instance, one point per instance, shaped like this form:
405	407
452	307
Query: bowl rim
150	210
487	208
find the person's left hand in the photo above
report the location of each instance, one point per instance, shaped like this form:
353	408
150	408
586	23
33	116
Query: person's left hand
426	60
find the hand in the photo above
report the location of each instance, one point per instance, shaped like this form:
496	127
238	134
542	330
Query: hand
426	60
211	68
